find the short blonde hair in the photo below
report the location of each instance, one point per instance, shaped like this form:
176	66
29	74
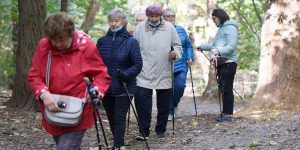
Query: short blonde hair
118	13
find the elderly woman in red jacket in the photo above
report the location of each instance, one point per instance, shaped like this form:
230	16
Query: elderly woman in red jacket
72	58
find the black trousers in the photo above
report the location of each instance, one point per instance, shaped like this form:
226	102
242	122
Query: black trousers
116	109
226	73
143	104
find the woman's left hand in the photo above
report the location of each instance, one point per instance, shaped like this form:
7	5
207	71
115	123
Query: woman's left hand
215	52
189	62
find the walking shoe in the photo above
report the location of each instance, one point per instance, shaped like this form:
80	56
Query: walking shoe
170	118
140	137
160	135
224	117
176	112
119	148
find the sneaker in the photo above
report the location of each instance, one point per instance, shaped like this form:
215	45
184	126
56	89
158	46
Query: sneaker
119	148
176	112
170	118
224	117
140	137
160	135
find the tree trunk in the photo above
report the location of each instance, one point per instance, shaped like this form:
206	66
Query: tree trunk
32	14
64	5
210	91
279	71
90	15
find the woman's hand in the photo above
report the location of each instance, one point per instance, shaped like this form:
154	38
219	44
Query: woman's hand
189	62
49	102
215	52
172	55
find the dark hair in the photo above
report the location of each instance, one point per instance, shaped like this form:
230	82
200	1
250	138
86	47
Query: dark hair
59	26
221	14
153	10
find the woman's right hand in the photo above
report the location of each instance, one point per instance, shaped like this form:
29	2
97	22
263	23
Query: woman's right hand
49	102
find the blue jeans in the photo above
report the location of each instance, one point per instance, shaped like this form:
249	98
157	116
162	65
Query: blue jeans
179	86
143	104
69	140
116	109
226	73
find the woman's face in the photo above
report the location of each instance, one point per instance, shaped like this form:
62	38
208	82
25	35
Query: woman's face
170	17
216	20
62	44
115	23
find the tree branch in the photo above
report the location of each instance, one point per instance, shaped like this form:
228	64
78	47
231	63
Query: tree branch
246	20
257	13
90	15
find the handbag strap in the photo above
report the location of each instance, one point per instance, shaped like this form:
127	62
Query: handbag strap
48	67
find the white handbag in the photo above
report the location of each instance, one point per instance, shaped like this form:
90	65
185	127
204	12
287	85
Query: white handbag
69	116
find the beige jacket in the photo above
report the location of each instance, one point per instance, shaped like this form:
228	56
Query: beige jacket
155	45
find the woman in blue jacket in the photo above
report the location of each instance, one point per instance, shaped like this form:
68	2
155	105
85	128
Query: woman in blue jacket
180	66
224	46
121	53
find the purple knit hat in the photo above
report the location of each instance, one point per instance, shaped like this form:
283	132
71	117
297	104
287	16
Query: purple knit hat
153	10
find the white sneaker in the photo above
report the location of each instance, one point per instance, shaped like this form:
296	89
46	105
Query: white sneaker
170	118
176	112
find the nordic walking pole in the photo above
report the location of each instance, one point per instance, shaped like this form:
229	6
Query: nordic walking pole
219	85
134	112
193	89
128	120
232	87
173	101
95	102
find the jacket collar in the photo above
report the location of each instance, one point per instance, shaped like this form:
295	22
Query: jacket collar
122	32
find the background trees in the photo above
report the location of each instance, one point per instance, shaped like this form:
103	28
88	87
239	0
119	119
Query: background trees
279	70
30	30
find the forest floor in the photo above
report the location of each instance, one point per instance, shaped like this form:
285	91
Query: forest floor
269	129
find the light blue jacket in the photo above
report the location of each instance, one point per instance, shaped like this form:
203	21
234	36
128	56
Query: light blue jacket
187	50
225	41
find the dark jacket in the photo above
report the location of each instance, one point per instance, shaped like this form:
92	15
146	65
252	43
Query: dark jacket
121	51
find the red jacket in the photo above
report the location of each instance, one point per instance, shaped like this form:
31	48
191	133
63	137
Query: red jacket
66	75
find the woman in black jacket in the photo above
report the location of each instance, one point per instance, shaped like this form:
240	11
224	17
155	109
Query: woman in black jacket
121	53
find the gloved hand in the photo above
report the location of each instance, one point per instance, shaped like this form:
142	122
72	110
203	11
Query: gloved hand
96	98
121	75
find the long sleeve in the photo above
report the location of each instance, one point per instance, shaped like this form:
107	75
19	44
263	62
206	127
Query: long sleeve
231	36
176	43
35	77
96	69
135	59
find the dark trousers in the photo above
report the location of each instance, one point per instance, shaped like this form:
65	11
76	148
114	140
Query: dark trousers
116	109
179	86
226	73
143	104
69	140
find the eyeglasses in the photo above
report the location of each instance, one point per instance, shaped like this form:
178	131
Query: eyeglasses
170	16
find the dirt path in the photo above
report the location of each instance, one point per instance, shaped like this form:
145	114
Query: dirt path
276	129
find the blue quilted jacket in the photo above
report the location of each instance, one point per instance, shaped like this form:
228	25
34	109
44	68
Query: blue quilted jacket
121	51
225	41
187	50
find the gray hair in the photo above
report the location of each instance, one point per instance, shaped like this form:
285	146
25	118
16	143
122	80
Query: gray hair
168	10
118	13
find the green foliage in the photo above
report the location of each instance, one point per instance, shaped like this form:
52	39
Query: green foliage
8	18
248	43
